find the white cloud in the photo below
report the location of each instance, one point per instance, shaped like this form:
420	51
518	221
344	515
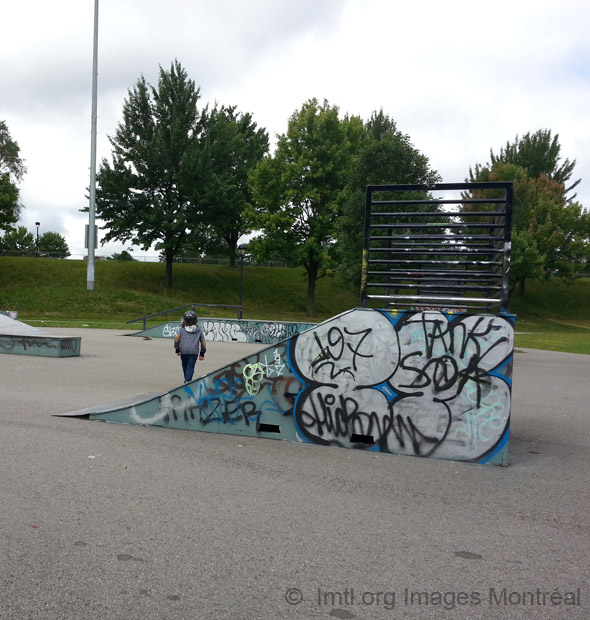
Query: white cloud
458	77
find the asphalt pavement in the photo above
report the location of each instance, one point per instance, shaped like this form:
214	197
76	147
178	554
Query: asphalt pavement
101	521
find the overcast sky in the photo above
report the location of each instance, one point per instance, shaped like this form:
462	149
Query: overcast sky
459	77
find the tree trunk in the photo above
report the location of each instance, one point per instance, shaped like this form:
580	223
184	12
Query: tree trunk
168	276
312	276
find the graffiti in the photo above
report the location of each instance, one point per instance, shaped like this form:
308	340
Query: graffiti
170	330
224	331
227	330
45	346
274	368
253	375
427	384
240	397
421	385
249	331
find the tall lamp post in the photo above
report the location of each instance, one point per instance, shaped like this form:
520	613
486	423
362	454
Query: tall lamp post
93	127
37	224
242	252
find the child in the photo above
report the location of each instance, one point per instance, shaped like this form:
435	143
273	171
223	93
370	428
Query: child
190	343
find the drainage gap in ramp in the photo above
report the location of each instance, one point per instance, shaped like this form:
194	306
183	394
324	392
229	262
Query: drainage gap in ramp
354	438
269	428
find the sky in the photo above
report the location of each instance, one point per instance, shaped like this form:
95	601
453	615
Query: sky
458	77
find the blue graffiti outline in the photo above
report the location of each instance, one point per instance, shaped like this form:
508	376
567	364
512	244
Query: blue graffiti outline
291	344
499	447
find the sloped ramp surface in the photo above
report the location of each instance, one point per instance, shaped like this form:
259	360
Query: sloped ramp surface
109	407
415	383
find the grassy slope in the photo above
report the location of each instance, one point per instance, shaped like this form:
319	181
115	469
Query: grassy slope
553	315
56	290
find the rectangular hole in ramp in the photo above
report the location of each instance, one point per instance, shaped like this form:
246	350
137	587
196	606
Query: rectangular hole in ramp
269	428
354	438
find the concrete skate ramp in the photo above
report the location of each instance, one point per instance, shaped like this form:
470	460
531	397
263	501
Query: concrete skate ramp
233	330
415	383
18	338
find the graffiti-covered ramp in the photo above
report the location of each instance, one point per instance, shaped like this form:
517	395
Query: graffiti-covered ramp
425	384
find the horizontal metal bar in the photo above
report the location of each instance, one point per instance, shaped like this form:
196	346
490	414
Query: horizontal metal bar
430	307
429	187
418	244
448	201
463	250
440	225
434	262
423	298
434	287
432	249
432	237
442	273
429	282
439	213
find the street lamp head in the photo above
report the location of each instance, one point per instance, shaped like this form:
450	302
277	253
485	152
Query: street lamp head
242	248
37	223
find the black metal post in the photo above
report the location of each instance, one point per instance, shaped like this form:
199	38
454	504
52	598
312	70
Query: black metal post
241	283
37	224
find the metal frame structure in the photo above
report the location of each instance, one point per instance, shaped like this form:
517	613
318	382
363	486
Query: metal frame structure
448	253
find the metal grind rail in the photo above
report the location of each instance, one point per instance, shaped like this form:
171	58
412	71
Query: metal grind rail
192	306
450	252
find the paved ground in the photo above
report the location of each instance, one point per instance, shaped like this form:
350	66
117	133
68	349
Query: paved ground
102	521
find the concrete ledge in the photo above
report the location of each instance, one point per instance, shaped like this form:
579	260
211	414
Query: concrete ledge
45	346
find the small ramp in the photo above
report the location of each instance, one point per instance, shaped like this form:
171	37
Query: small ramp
109	407
420	383
18	338
232	330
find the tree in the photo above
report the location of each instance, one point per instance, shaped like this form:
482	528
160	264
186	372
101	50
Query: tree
53	245
538	154
18	242
550	233
150	193
123	256
234	145
12	170
298	191
386	156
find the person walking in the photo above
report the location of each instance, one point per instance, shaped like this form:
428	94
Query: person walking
190	344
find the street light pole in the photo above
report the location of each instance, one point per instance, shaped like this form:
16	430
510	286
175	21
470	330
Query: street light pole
241	251
37	224
91	209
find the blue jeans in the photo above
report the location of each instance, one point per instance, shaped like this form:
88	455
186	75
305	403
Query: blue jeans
188	365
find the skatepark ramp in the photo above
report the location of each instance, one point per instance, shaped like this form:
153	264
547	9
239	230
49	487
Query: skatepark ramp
17	338
428	375
425	383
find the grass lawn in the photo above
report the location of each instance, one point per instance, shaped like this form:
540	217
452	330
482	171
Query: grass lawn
553	315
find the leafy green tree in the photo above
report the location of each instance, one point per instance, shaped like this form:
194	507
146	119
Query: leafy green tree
539	154
12	170
550	233
234	146
298	191
53	245
385	156
18	242
150	193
